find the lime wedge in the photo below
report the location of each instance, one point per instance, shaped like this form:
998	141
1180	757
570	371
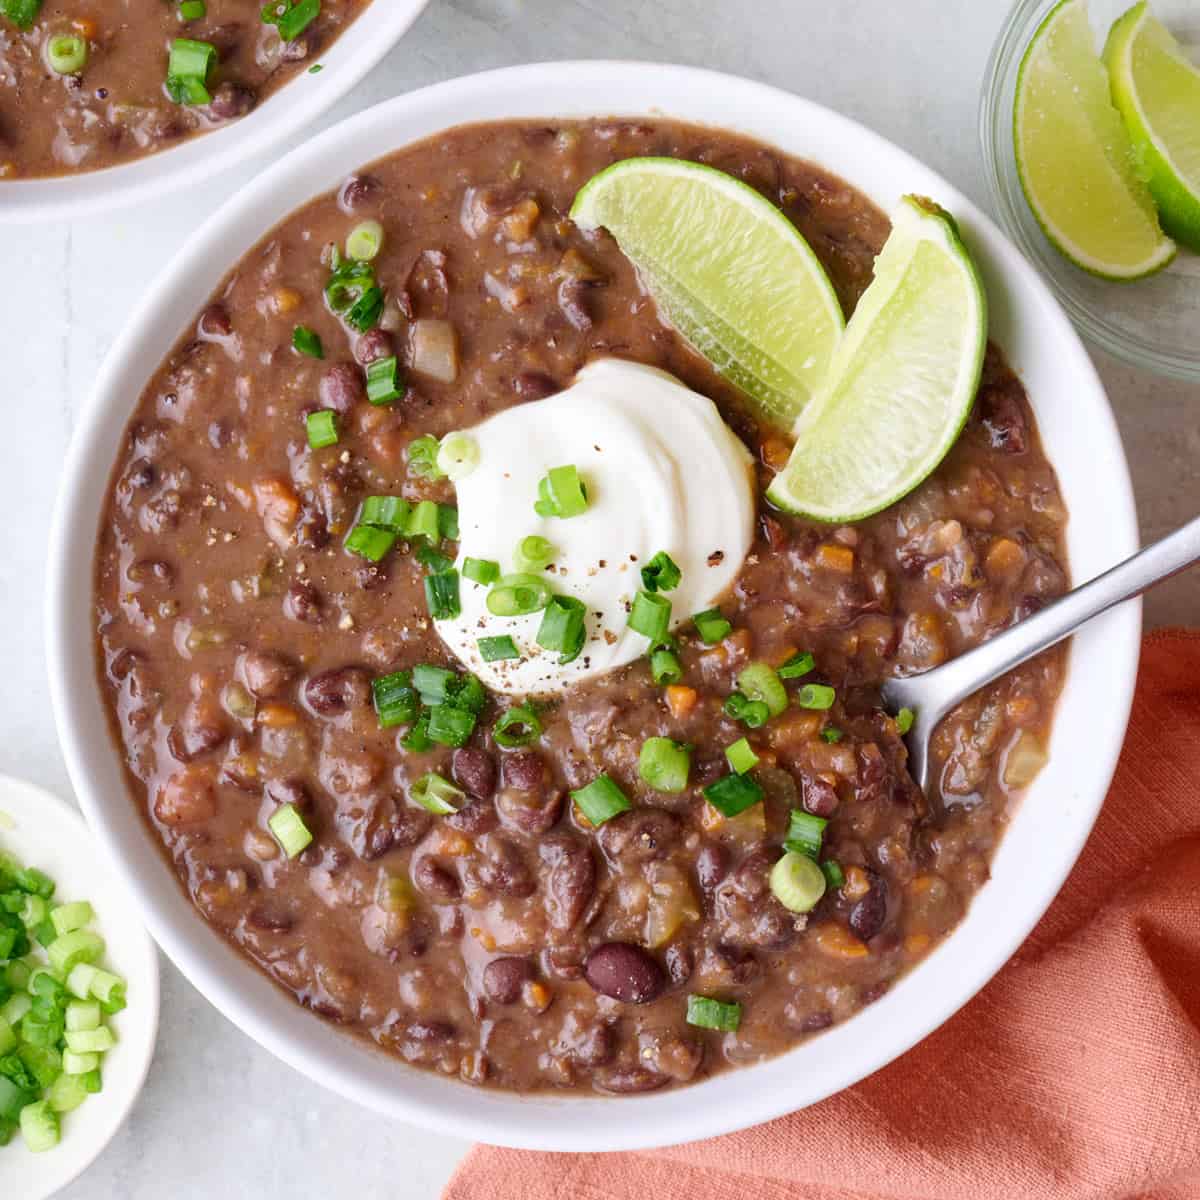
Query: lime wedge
728	270
1075	159
1157	90
902	380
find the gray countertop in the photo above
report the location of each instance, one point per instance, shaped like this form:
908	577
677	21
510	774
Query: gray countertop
219	1116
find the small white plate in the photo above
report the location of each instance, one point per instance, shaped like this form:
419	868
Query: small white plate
49	834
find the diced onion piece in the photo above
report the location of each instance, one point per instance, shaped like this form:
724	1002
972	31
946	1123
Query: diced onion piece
1025	759
435	349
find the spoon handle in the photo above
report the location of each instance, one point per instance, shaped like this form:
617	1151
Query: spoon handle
962	676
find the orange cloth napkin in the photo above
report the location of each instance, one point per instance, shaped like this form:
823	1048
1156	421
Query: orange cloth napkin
1074	1074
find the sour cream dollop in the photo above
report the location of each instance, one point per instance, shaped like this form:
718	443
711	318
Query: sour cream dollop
662	471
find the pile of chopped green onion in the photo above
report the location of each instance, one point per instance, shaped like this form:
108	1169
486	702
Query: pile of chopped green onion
54	1001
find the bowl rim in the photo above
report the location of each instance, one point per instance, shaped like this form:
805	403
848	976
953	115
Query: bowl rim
356	51
736	1099
995	126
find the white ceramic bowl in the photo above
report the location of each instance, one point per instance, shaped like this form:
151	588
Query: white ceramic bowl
47	833
1039	848
286	113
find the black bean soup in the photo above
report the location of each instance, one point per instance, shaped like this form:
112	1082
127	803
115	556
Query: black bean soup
508	939
86	84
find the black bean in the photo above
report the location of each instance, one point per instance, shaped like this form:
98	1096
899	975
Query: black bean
218	435
525	770
572	301
503	979
639	836
474	771
533	813
819	795
270	918
335	692
141	474
312	529
570	881
387	824
436	881
711	866
232	100
303	47
625	1081
624	972
815	1022
358	191
265	674
535	385
290	791
428	1032
302	602
214	321
477	818
374	345
341	388
503	871
868	915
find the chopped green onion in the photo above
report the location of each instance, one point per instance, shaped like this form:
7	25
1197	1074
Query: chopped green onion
797	882
109	989
805	833
661	573
563	628
435	684
433	560
447	516
423	521
416	740
388	512
467	692
188	68
733	794
601	800
533	554
422	457
833	873
816	696
306	341
81	945
517	595
497	649
22	13
364	315
665	667
79	1064
370	542
561	493
315	69
712	626
517	727
904	720
193	10
395	698
664	764
66	1093
66	54
706	1013
39	1127
289	829
436	794
650	616
831	734
348	283
741	756
365	241
481	570
322	428
291	17
68	917
82	1014
91	1041
758	681
450	726
458	455
441	595
752	713
797	666
384	384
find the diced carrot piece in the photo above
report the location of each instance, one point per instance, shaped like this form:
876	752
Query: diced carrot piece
839	942
916	943
277	716
1004	557
835	558
710	818
84	26
681	699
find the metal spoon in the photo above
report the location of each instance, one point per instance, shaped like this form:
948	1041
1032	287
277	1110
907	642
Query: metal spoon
933	694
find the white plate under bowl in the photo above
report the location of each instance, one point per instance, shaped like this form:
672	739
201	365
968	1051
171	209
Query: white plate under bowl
1045	837
48	834
285	113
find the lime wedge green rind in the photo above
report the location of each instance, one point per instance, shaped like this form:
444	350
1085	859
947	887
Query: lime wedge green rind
727	270
1156	88
1075	161
902	380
